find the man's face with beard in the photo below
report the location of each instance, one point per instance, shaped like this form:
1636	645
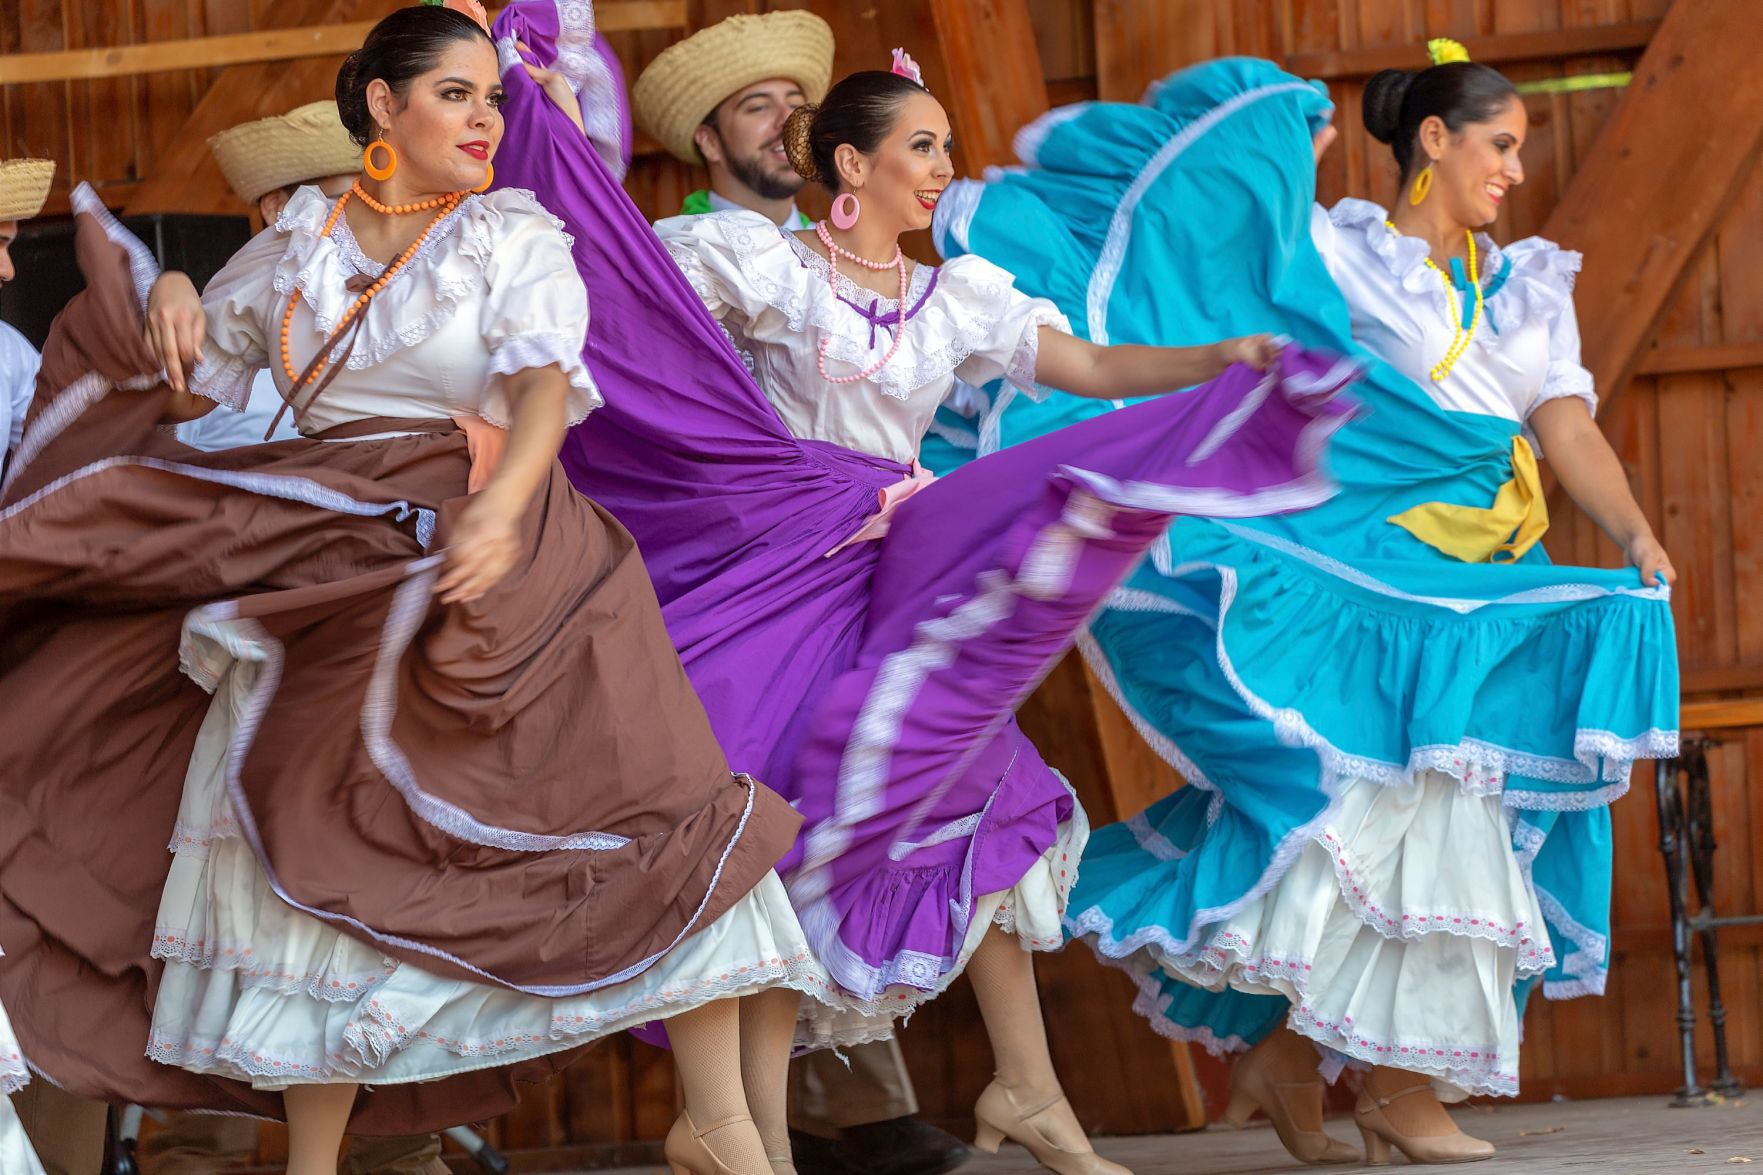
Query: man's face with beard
743	140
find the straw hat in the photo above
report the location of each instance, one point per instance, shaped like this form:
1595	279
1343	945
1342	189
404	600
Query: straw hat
24	187
692	77
307	143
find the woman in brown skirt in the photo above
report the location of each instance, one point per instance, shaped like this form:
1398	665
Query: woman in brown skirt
440	802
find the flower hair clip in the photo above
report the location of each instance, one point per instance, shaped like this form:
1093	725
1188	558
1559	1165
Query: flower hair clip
908	68
1445	51
469	8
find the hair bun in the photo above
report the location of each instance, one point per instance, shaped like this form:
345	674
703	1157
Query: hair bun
352	100
798	136
1382	104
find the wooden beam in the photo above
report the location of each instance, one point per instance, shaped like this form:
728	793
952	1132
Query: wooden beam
993	66
1721	715
1689	360
627	16
1649	193
1719	679
1503	49
60	203
272	45
194	53
186	178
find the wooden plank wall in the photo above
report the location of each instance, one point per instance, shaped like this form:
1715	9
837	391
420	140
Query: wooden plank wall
114	133
1687	429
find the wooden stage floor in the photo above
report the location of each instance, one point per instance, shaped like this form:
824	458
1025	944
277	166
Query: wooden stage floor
1621	1136
1618	1137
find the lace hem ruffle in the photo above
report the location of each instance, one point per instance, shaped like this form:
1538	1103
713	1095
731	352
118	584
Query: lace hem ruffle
1477	1069
226	380
1564	379
1021	372
518	353
1409	924
240	960
377	1035
1599	756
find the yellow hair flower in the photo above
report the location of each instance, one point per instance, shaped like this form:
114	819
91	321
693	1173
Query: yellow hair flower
1443	51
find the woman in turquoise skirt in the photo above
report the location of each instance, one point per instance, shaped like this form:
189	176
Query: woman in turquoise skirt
1401	725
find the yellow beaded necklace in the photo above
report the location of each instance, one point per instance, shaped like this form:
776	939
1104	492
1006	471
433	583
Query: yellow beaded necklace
1460	338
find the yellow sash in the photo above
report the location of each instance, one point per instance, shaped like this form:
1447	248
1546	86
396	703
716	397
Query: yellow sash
1500	533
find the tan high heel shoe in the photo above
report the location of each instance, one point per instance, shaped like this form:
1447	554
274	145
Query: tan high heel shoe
686	1151
1380	1135
999	1117
1253	1085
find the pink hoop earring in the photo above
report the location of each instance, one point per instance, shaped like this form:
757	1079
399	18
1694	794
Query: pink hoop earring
844	214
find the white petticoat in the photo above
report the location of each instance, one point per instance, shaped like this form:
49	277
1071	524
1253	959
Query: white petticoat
1397	935
258	991
16	1155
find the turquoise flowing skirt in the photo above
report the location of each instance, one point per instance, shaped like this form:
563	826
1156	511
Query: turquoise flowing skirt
1273	660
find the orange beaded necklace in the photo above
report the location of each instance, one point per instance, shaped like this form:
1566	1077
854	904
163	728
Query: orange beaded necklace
446	204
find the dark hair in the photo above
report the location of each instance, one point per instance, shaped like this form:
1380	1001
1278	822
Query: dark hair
1397	101
860	110
399	49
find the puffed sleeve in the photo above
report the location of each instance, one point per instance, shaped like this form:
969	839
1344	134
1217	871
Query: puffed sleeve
995	324
740	266
536	314
1544	273
1566	375
243	323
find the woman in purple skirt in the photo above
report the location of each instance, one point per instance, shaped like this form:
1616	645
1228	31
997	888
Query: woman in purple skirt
859	633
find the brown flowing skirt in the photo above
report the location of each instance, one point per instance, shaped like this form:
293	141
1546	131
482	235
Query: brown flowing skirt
522	791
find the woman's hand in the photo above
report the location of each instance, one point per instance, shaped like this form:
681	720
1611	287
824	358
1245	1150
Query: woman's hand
1646	553
556	87
176	327
485	545
1258	351
1322	140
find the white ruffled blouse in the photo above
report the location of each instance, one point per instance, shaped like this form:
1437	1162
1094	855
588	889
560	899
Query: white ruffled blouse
491	292
1526	350
769	291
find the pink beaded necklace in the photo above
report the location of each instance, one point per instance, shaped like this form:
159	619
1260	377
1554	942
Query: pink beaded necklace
833	253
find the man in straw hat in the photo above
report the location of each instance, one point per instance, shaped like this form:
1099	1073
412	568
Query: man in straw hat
720	98
24	187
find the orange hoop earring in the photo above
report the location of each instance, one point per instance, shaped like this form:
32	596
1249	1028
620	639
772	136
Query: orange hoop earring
489	177
379	173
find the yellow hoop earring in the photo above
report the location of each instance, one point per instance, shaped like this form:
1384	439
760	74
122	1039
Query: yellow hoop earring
489	177
379	173
1422	186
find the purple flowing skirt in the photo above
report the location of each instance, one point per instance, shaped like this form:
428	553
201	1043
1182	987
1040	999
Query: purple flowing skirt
875	689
